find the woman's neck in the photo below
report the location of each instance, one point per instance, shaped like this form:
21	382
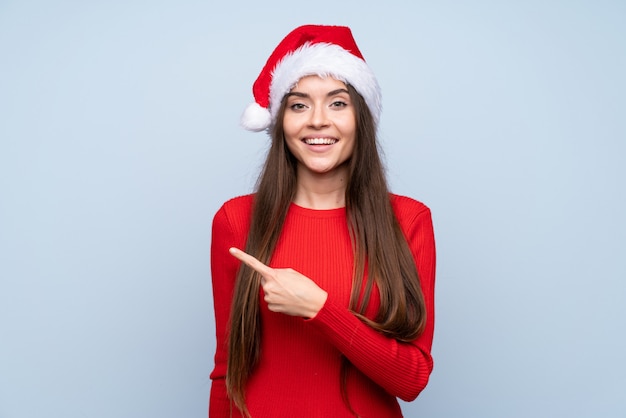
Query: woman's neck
321	191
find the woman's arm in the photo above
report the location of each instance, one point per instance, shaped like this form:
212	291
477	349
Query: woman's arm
229	228
402	369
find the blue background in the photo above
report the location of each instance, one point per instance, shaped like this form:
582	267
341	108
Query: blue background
119	140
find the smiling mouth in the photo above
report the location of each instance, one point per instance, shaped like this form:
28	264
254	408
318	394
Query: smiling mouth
319	141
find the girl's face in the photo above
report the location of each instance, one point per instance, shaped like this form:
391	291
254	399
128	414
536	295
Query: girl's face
319	125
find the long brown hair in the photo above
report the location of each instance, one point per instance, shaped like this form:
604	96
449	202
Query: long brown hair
377	241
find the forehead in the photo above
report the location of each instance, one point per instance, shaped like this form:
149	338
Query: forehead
315	82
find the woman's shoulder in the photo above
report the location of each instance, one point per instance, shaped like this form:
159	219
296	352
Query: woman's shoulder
239	208
239	203
404	204
412	215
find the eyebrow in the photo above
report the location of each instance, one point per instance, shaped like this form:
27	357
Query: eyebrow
305	95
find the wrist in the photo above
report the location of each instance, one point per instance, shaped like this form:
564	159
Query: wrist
318	303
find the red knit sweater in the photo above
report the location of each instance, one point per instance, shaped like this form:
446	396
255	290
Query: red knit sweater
299	370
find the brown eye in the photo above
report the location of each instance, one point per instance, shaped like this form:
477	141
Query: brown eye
297	106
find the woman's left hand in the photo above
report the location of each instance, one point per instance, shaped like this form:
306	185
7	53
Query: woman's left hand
286	291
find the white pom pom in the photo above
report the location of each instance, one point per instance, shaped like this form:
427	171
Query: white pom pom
255	118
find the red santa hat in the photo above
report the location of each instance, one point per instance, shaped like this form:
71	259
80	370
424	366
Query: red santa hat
326	51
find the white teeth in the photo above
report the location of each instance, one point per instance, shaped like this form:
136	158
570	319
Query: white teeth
320	141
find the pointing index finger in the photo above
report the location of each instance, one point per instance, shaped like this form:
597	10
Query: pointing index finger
249	260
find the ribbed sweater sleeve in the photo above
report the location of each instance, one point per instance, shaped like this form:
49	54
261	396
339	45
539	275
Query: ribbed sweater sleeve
402	369
230	226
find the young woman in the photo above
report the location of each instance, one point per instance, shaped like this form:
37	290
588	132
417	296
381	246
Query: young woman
323	281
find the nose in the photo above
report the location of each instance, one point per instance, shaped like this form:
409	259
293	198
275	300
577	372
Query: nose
319	117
